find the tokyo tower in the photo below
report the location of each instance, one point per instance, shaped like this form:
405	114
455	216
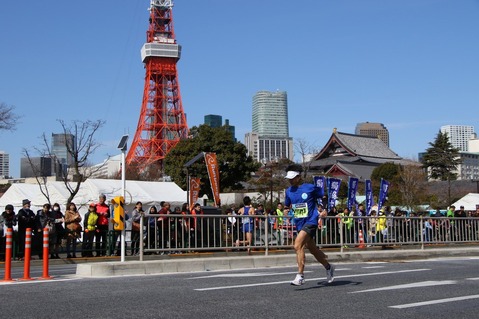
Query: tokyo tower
162	122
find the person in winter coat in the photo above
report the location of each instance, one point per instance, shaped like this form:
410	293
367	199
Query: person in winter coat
7	220
90	227
26	219
45	218
59	229
73	229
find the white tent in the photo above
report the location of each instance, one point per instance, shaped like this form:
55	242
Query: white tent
149	193
469	202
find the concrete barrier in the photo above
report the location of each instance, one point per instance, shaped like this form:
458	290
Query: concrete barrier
179	265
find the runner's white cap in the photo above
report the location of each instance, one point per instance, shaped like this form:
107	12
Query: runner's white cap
291	174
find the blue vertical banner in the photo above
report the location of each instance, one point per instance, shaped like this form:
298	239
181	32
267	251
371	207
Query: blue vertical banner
319	182
352	189
333	190
369	197
383	193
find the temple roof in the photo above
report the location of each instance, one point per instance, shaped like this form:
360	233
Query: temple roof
344	145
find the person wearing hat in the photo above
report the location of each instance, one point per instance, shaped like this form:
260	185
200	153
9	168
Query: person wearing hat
302	199
90	229
26	219
7	220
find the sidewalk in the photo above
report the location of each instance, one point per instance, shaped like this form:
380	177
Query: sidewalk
239	260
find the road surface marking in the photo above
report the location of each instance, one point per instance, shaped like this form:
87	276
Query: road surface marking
434	302
245	275
36	281
413	285
309	279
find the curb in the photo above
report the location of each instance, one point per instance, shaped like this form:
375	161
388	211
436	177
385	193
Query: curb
181	265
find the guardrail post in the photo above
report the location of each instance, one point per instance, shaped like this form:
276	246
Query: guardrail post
8	255
266	228
45	254
142	242
28	254
421	230
341	239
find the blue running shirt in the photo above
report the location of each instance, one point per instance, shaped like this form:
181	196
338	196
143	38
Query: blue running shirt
303	202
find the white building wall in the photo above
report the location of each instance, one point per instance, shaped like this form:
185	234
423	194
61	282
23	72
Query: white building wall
459	135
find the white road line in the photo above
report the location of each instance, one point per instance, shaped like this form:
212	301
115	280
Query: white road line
372	267
37	281
477	278
245	275
252	274
309	279
434	302
412	285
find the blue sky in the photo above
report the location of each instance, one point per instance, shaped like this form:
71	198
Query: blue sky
410	64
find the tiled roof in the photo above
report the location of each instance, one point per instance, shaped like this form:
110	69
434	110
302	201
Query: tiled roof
366	146
343	144
362	171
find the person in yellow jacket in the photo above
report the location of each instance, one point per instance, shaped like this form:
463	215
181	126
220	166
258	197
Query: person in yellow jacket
90	228
279	224
381	227
346	226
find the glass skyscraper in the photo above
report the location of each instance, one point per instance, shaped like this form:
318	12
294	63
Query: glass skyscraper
269	139
213	120
270	114
59	147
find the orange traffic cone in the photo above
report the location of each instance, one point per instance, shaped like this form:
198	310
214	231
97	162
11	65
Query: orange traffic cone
361	240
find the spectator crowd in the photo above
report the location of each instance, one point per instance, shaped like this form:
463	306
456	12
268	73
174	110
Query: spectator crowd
169	230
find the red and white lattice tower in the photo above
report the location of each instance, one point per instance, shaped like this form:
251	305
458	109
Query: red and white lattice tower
162	122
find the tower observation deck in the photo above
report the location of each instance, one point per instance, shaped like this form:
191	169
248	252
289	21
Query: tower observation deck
162	123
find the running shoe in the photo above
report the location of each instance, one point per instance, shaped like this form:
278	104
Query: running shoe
298	281
330	273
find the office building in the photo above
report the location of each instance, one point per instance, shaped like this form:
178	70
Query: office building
217	121
473	144
213	120
270	114
36	167
230	128
373	129
468	168
4	165
459	135
267	149
269	139
60	150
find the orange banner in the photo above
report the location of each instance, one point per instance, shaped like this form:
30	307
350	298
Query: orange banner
194	190
214	174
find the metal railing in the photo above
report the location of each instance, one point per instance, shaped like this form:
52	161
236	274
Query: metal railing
186	233
173	233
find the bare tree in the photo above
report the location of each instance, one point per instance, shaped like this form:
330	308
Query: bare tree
411	184
8	118
304	148
80	147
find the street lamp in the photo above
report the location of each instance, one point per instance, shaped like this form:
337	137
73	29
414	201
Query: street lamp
122	146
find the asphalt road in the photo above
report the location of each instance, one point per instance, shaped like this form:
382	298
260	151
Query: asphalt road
435	288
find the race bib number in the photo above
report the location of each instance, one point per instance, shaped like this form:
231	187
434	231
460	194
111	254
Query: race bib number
300	210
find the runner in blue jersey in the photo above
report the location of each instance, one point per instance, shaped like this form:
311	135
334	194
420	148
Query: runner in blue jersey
248	223
302	199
